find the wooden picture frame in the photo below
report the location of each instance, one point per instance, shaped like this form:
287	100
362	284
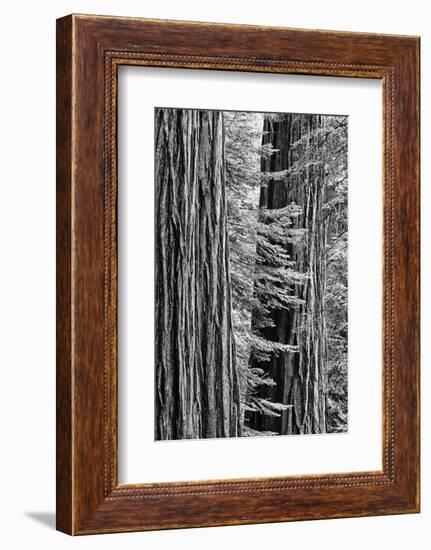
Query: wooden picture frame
89	51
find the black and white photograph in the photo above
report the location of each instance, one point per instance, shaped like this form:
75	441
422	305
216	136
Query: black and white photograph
251	274
215	274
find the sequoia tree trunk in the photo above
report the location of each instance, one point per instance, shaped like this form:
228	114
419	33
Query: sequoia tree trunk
197	389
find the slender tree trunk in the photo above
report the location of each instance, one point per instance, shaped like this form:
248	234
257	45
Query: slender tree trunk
314	337
197	390
299	378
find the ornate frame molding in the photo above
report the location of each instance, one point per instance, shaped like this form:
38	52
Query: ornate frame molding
90	49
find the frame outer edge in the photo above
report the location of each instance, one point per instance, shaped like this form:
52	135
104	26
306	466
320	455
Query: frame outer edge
407	270
64	352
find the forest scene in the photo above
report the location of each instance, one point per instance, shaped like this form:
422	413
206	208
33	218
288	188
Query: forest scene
251	274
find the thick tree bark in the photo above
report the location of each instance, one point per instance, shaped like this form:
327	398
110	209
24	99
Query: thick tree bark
300	377
197	390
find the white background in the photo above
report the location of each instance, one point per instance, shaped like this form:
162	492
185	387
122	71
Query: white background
27	229
141	458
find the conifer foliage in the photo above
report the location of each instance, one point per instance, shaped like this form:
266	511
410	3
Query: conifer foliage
251	274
